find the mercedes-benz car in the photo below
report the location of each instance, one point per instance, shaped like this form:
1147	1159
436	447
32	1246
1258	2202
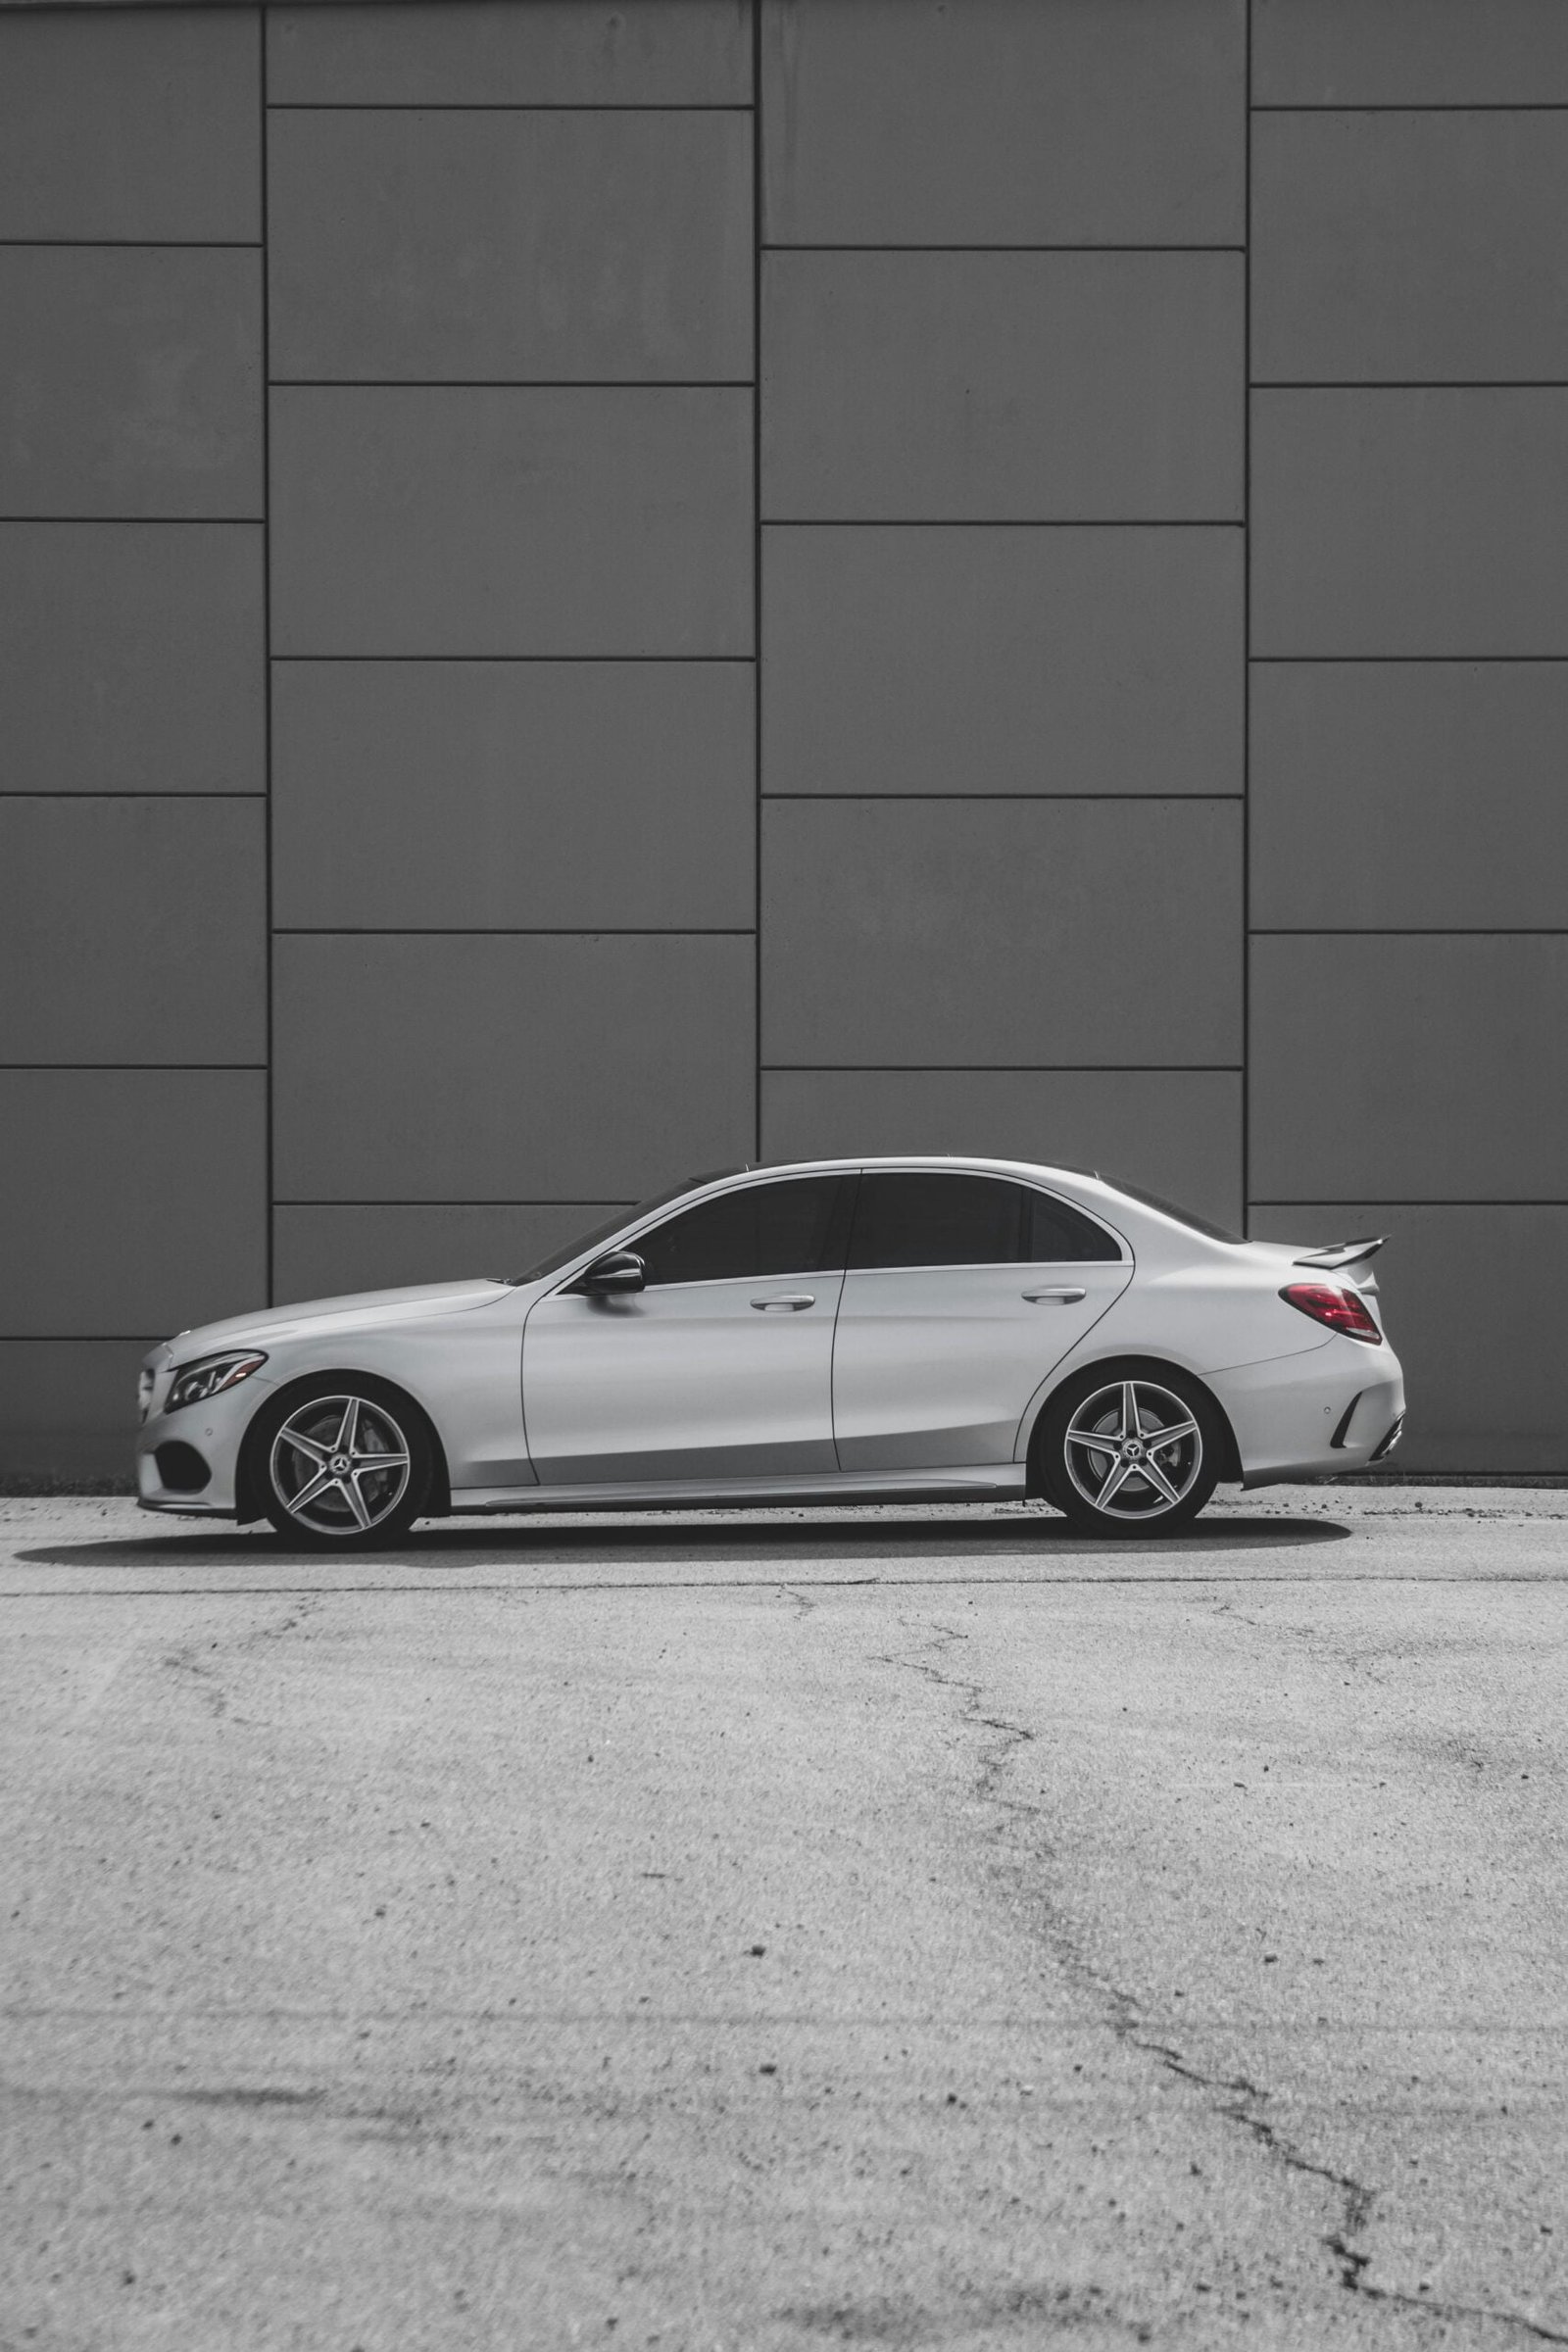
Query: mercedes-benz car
829	1332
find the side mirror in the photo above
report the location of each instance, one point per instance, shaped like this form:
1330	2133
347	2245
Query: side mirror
617	1271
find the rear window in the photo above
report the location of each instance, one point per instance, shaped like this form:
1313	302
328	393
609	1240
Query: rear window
1169	1209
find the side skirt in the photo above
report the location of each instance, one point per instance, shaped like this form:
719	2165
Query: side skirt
987	1483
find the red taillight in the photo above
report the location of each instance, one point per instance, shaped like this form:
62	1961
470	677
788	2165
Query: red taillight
1340	1310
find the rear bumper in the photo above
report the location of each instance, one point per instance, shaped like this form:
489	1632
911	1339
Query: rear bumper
1318	1414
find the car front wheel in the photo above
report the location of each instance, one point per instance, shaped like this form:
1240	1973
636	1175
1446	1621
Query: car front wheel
345	1463
1130	1453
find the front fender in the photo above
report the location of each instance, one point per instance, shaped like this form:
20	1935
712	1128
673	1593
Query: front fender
464	1373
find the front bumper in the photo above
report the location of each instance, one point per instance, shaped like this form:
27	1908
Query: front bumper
1318	1414
215	1432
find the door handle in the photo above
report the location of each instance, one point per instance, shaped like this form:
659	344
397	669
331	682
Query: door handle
790	1299
1068	1296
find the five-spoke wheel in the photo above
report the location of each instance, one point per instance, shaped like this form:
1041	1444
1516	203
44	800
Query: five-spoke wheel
1130	1453
344	1464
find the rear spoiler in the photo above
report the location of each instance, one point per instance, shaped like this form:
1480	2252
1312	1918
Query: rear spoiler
1340	1257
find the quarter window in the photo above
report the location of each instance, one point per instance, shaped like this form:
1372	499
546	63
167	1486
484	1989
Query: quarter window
749	1234
937	1219
1056	1235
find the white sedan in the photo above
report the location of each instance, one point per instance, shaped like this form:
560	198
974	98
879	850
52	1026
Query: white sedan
833	1332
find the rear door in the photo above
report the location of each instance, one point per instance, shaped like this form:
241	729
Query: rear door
962	1291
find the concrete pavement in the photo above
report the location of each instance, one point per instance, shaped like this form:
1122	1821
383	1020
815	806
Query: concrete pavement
928	1929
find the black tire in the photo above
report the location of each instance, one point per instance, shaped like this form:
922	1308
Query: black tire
349	1425
1085	1443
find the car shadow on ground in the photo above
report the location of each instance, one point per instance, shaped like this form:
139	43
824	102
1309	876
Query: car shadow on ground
757	1540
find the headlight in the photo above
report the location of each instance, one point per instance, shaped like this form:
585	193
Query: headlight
193	1384
144	1393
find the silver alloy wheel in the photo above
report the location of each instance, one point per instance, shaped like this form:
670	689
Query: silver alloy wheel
1133	1449
340	1463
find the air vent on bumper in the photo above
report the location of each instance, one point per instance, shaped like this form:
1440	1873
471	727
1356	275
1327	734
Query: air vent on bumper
180	1468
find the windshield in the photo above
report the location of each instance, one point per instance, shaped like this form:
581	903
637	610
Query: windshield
1168	1209
617	1224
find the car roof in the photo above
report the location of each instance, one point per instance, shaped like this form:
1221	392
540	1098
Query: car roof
978	1161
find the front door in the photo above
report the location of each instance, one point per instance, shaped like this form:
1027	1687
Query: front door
962	1294
719	1369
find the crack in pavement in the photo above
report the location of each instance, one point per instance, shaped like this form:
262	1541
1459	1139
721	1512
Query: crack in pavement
1242	2097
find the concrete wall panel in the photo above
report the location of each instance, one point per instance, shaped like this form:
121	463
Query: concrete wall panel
1001	386
322	1251
68	1413
1409	522
493	794
131	656
1392	796
1408	1068
139	1204
132	930
1410	52
130	382
525	247
1176	1132
545	52
1004	122
489	1068
511	549
1407	247
1487	1395
130	124
477	521
933	933
1002	660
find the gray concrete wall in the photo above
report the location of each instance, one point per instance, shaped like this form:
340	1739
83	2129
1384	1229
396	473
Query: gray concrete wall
586	592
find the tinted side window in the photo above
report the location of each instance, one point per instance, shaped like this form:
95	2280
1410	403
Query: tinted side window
762	1229
937	1219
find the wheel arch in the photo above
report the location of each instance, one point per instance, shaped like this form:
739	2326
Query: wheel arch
1126	1365
248	1486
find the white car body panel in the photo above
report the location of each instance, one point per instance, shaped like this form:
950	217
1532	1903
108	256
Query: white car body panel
893	1382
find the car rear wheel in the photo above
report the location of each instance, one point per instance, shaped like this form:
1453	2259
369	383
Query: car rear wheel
1125	1452
344	1463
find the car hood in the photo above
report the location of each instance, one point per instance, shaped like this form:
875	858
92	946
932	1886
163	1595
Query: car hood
355	1311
